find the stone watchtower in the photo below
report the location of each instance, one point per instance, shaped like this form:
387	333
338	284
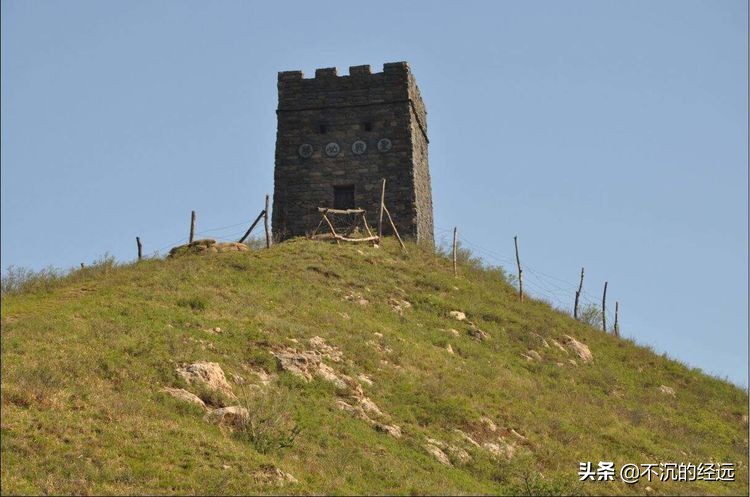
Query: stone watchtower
338	136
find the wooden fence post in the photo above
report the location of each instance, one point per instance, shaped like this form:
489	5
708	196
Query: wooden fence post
140	247
578	296
604	308
617	324
192	227
250	229
393	226
382	205
520	271
455	268
265	222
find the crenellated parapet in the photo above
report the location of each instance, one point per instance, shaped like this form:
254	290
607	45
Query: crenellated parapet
361	86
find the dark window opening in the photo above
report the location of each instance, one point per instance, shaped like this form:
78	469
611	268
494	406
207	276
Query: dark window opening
323	129
343	197
368	126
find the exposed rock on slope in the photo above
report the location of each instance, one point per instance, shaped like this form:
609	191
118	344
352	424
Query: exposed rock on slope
208	374
207	246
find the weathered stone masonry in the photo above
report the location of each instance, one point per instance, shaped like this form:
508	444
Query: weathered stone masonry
378	109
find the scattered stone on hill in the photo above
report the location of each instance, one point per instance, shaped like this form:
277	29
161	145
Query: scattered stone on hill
534	354
438	454
182	394
305	364
365	379
380	348
359	412
518	435
355	297
581	349
458	454
344	316
331	352
207	246
457	315
667	390
327	373
488	423
271	475
233	416
378	334
455	453
209	374
454	332
465	436
449	349
477	334
744	419
301	364
541	339
368	405
399	305
558	345
359	396
573	362
264	378
391	430
500	448
205	345
216	330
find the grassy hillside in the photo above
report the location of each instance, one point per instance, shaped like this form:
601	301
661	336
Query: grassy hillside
85	360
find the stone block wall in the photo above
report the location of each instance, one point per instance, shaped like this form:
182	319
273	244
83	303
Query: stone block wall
357	113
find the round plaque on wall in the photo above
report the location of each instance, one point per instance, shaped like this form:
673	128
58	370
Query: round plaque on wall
384	145
305	150
359	147
332	149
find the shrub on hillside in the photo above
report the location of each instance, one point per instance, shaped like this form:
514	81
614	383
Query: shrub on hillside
269	425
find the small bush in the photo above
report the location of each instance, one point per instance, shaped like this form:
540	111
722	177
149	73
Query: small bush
20	279
269	425
591	315
257	242
194	303
531	484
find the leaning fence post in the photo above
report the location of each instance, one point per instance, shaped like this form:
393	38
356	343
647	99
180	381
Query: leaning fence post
393	227
140	247
265	223
578	295
192	226
250	229
520	271
604	308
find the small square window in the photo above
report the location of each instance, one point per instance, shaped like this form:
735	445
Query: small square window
323	129
368	126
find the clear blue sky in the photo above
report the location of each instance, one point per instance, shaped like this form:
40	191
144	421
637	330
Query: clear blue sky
610	135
